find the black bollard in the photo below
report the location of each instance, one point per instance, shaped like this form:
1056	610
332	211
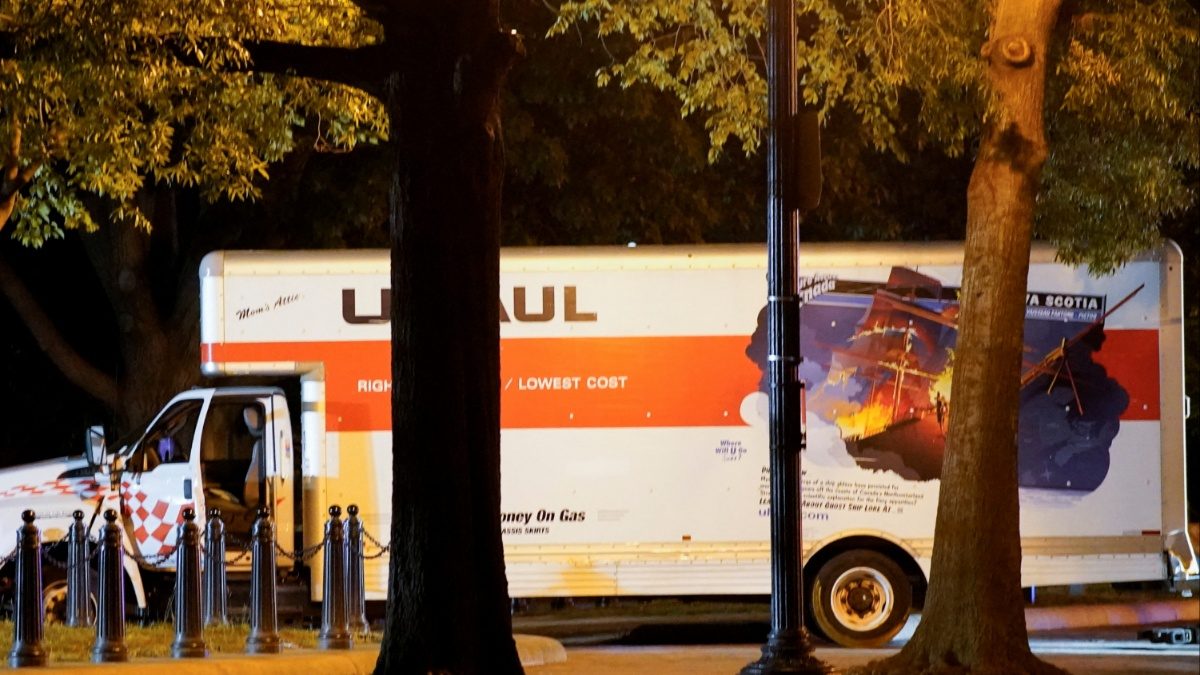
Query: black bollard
264	623
79	592
335	630
189	614
215	587
356	591
110	621
29	615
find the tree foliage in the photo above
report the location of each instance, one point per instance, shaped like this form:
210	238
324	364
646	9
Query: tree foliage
102	99
588	165
138	114
1121	112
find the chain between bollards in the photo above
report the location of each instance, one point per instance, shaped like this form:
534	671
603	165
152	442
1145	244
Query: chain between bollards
200	593
29	622
189	611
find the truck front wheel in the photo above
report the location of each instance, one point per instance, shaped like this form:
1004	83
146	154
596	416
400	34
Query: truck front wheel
54	594
860	599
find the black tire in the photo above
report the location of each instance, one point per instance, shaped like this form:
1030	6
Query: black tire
860	599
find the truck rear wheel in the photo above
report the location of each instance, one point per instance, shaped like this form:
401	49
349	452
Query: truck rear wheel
860	599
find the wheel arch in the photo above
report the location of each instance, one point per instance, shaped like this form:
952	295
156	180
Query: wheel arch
132	573
895	549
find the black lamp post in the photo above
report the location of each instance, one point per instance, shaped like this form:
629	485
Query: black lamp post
787	649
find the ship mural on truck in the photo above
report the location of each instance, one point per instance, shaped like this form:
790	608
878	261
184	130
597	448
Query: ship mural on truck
879	358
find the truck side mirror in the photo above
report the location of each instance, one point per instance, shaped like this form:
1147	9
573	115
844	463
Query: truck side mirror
95	446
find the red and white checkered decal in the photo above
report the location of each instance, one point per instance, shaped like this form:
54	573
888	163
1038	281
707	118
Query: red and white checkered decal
86	488
154	521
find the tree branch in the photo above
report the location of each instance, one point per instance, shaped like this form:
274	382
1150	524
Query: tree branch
359	67
69	362
374	9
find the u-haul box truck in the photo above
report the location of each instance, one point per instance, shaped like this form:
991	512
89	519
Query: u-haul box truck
634	431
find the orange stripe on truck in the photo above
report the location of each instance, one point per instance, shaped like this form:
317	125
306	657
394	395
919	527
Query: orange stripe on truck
615	382
545	382
1131	358
625	382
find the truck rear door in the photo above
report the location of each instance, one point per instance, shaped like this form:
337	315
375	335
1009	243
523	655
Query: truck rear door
243	470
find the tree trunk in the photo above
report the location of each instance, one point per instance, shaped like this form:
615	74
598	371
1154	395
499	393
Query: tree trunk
155	302
448	609
974	614
156	306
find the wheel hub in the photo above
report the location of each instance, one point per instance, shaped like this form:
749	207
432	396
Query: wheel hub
862	598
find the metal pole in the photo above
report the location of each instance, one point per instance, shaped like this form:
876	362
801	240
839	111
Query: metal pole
189	624
356	592
335	630
110	623
79	606
215	584
787	649
29	621
264	621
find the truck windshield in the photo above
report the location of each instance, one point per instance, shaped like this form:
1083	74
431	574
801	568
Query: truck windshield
169	441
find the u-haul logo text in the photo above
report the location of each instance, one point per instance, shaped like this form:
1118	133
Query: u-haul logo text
560	302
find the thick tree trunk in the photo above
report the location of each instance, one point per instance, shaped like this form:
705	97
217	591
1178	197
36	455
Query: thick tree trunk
448	609
974	613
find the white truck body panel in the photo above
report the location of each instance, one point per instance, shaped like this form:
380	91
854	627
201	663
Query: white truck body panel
634	439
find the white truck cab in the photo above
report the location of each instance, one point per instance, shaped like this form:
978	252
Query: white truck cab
227	448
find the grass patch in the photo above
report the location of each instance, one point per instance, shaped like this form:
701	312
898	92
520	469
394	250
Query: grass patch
67	645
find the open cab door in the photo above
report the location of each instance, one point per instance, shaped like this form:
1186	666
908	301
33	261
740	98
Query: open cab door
246	464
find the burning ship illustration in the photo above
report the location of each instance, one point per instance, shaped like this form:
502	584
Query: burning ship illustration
900	353
887	353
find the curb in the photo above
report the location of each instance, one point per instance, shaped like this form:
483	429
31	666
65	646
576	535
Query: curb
536	650
1094	616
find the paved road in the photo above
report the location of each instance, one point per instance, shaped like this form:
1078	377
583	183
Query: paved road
724	642
725	660
741	626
